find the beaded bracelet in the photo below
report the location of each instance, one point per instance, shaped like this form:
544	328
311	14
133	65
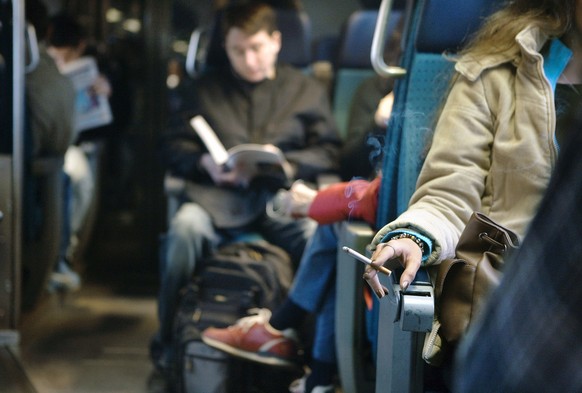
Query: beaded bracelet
415	239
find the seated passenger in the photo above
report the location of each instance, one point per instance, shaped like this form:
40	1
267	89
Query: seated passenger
67	43
368	117
496	141
254	100
50	99
314	287
273	339
50	95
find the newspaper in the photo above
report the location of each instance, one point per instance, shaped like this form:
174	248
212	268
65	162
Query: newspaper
91	109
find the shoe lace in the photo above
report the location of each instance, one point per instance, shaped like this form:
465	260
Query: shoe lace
261	316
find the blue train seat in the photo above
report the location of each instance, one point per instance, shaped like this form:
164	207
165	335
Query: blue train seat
353	63
436	27
296	32
355	351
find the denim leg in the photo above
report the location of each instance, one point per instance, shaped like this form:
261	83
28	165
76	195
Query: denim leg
289	234
317	269
324	340
82	179
66	216
190	235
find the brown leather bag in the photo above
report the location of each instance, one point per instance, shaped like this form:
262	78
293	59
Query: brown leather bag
464	282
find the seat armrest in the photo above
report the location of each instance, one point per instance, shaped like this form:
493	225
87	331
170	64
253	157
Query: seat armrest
399	366
416	304
350	322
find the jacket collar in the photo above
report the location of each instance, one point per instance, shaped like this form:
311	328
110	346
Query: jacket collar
531	41
556	60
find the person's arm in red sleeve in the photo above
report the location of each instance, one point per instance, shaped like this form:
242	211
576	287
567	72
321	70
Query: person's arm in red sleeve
354	200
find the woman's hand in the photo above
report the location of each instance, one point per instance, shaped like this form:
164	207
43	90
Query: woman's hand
393	254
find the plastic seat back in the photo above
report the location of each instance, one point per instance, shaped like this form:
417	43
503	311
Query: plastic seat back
436	27
295	27
353	64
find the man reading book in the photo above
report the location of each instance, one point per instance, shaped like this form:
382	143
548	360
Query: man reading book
253	100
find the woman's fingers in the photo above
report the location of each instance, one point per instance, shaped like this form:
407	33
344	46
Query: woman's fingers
393	254
371	277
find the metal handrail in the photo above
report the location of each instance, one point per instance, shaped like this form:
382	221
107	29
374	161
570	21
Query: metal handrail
379	42
33	53
192	54
18	24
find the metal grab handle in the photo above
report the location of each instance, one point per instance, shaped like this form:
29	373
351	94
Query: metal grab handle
379	42
192	54
32	47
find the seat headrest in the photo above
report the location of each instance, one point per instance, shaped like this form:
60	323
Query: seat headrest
358	33
445	25
295	27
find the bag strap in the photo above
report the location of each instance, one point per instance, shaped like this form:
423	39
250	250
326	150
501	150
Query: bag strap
481	235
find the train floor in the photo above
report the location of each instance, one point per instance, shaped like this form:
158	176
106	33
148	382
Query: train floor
96	340
92	341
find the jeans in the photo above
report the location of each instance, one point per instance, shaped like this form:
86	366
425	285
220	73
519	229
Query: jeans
192	236
78	196
65	216
314	288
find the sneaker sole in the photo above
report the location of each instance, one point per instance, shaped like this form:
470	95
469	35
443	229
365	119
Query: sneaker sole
253	356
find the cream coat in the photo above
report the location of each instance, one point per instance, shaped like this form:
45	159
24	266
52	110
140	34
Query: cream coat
493	149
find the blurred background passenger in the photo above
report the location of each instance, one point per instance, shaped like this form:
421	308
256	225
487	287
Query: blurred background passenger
67	43
314	286
50	102
252	99
50	96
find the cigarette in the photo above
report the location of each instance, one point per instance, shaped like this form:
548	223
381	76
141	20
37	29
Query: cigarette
366	260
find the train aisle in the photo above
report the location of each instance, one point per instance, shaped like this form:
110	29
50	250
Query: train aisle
93	341
96	340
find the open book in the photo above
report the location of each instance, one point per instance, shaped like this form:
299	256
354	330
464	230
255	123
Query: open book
253	160
91	110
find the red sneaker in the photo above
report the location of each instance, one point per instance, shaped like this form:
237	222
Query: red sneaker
253	338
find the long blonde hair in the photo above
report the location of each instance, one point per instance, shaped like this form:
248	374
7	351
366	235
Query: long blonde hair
498	32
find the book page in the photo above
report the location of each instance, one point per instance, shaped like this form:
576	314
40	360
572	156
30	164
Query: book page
260	160
210	139
250	159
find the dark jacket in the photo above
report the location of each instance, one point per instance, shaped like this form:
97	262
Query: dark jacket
364	144
291	112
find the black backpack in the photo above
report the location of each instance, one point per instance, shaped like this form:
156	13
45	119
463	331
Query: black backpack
235	278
